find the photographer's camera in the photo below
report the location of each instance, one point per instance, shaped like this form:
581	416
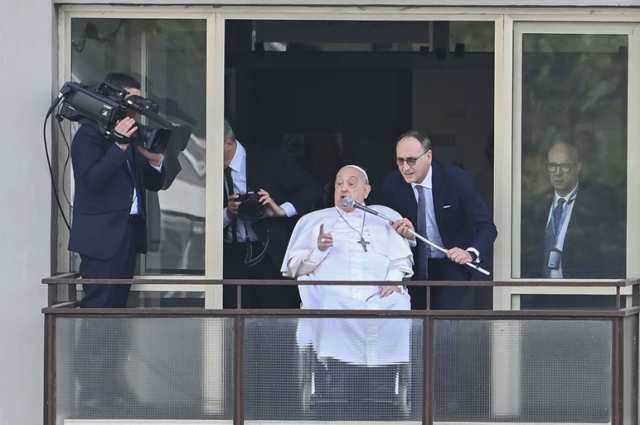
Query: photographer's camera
250	208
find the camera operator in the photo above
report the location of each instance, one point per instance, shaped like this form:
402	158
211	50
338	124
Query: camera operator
264	190
109	217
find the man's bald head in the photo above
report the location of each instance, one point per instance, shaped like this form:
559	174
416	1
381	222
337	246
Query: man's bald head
563	167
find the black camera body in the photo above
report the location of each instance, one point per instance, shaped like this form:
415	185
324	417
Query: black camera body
107	105
250	208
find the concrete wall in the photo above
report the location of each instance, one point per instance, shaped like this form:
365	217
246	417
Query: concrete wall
26	49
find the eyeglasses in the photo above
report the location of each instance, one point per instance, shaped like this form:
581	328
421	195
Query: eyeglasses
565	167
411	160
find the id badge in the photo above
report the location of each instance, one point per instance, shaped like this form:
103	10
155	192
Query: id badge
555	256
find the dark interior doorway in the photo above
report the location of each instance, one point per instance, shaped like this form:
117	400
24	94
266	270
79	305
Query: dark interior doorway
341	92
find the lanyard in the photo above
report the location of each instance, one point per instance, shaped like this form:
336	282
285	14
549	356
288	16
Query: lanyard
556	228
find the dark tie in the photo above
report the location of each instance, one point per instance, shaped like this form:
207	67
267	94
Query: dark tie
423	248
229	187
133	170
551	234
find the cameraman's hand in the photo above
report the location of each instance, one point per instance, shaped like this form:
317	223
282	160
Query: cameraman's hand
232	207
154	158
271	209
124	129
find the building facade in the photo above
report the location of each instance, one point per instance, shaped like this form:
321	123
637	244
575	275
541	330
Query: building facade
495	84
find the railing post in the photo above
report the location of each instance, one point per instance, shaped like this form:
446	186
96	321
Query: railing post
238	378
427	377
49	369
617	394
52	295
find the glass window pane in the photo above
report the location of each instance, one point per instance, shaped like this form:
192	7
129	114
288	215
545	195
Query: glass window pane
574	144
473	36
340	36
168	57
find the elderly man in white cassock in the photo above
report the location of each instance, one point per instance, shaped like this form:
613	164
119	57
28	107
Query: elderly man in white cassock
343	243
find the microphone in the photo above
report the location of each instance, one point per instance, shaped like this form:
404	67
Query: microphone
350	203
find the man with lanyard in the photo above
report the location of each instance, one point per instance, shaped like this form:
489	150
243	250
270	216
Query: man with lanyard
564	168
576	232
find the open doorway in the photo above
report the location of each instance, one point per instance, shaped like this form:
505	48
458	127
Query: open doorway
341	92
332	93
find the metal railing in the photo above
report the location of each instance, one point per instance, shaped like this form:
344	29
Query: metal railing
509	392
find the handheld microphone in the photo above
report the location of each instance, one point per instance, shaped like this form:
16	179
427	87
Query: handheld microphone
350	203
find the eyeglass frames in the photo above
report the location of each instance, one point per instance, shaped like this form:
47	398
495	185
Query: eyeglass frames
411	160
565	167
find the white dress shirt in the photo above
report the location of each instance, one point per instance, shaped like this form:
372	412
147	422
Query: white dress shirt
433	233
566	217
134	204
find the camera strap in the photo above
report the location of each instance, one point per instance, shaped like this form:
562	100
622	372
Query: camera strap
248	259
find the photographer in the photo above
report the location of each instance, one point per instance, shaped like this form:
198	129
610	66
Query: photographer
264	192
109	217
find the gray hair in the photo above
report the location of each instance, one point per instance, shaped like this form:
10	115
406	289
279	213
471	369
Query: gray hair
228	131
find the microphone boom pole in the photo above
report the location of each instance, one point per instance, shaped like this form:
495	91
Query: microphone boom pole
348	202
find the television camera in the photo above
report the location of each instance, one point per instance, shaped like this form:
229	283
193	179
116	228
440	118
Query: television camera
108	104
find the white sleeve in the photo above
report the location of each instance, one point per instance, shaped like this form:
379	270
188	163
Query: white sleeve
303	264
399	269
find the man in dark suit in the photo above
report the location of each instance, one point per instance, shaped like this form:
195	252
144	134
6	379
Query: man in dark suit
108	230
440	201
109	225
255	243
577	231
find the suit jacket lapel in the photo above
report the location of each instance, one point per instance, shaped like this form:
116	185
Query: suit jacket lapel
250	169
438	190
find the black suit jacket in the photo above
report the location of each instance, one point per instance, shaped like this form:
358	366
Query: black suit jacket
277	173
104	193
461	215
595	242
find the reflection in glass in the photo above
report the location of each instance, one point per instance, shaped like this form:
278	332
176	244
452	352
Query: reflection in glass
574	172
475	36
376	36
169	58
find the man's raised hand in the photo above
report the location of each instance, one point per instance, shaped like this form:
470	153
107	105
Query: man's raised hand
325	240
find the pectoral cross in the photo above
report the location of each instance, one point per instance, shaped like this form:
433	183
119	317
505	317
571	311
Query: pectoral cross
363	243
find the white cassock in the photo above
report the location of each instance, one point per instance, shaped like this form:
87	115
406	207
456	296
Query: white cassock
388	257
362	341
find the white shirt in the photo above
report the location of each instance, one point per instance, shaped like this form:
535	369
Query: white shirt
433	233
566	211
134	204
388	257
238	167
